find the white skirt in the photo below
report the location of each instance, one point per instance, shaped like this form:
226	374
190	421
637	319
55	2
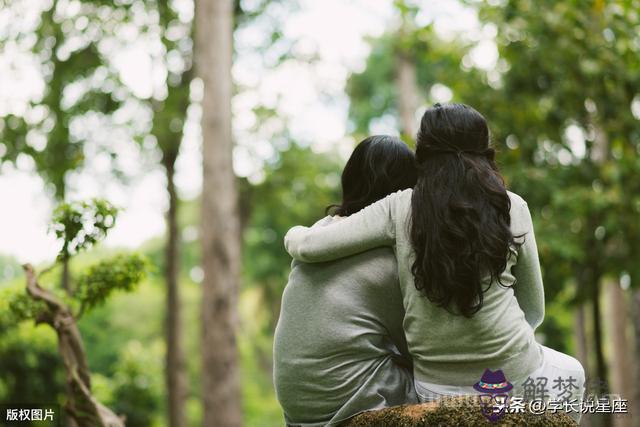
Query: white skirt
561	377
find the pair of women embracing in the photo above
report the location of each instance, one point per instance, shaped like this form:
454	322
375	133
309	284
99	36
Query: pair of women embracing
426	277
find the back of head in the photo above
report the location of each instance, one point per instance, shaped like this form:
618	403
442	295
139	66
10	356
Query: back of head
378	166
460	223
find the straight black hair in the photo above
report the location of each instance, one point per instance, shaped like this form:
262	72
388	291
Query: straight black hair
460	222
378	166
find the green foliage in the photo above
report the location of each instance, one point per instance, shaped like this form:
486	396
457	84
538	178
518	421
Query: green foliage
260	406
128	326
81	82
306	183
18	306
572	65
137	384
82	224
124	317
31	370
373	92
66	50
122	272
9	268
170	112
563	105
563	66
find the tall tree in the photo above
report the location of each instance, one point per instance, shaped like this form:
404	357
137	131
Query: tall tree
175	363
169	117
408	94
635	309
621	380
403	67
219	216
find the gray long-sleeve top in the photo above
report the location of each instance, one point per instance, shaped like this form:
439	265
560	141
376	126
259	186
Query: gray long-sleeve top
339	346
446	348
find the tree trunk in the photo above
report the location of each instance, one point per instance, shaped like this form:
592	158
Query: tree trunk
407	95
582	346
601	367
599	155
83	409
581	337
219	217
635	399
406	80
175	366
620	364
66	281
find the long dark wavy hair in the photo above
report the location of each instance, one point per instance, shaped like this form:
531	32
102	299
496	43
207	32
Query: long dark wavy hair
460	223
378	166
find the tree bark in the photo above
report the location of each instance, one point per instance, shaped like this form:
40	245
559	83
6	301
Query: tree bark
620	364
635	402
83	409
601	367
407	95
406	79
175	364
219	217
65	279
599	155
582	351
581	337
582	345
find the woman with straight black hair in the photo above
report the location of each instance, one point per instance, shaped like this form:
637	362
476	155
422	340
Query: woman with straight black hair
468	265
339	347
378	166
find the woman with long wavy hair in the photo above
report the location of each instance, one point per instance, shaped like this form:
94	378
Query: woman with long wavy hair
467	261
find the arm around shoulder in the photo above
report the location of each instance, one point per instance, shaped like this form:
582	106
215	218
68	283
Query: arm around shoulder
295	242
372	227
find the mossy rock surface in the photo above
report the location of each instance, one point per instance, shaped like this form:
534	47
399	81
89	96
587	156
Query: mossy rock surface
453	412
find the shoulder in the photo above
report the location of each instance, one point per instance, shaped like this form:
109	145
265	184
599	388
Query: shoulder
391	205
404	194
400	200
516	200
399	196
519	207
395	199
519	212
378	266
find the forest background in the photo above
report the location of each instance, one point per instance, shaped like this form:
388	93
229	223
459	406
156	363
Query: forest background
255	105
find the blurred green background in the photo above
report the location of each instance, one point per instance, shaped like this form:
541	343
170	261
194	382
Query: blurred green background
559	83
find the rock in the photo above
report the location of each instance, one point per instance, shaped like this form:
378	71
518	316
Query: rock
459	411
